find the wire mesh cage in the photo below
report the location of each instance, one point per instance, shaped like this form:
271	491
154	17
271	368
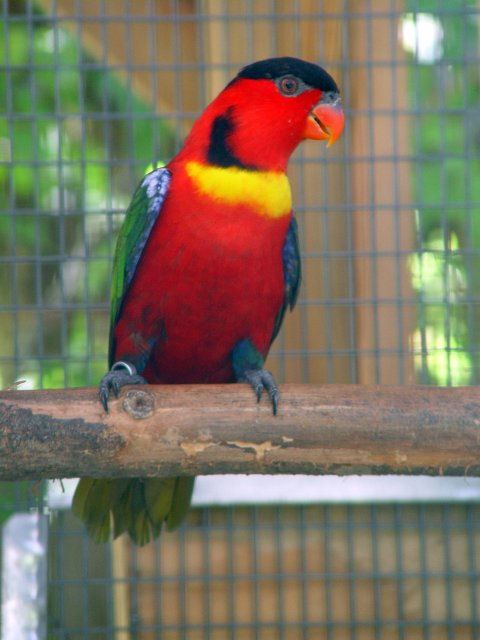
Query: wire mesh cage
92	96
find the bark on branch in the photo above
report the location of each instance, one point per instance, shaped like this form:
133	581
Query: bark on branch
205	429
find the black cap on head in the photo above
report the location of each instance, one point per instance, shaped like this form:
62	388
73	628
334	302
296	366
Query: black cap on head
310	73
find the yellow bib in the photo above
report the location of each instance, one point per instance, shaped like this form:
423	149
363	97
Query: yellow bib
267	192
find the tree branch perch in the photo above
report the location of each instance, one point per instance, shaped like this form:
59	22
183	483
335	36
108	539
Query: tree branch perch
205	429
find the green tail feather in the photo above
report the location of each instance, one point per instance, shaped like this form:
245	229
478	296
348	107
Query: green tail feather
182	496
139	506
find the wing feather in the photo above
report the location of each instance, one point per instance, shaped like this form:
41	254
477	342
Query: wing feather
140	218
292	272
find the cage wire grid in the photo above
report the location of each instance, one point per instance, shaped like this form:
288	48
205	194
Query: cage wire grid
92	95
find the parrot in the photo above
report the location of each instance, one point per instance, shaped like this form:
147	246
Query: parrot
206	264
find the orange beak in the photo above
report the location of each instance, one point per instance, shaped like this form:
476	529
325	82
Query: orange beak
326	120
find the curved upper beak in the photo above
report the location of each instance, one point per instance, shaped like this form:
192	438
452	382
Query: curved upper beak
326	120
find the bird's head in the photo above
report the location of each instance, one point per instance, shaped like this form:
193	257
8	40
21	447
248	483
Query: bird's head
261	116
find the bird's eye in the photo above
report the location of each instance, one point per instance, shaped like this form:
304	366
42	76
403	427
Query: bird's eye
289	85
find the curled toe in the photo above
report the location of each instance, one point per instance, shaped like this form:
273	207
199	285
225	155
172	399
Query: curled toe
120	375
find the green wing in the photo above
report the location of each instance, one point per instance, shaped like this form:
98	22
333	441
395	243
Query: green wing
140	217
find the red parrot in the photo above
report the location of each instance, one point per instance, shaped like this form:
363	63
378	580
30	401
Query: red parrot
206	264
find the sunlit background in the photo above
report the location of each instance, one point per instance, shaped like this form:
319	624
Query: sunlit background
95	94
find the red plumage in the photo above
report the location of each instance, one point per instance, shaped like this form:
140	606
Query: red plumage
212	275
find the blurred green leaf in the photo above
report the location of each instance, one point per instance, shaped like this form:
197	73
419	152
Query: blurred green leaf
60	195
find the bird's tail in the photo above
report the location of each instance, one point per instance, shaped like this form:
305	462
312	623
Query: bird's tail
139	506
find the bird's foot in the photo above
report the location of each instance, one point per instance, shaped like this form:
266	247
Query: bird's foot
121	374
260	379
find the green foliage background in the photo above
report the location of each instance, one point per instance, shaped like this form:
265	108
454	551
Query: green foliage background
79	141
445	99
69	161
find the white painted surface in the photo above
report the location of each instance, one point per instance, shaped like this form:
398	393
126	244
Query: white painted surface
24	577
298	489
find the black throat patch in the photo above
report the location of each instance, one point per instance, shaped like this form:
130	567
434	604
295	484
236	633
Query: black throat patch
219	151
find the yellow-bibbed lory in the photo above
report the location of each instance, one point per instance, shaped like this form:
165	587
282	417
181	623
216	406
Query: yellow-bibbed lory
206	264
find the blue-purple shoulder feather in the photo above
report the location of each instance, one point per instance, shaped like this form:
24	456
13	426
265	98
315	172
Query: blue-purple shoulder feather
292	273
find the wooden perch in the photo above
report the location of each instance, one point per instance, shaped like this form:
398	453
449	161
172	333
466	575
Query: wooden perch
205	429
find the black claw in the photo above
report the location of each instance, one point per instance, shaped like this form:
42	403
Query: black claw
114	380
103	392
275	397
272	389
274	406
260	379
